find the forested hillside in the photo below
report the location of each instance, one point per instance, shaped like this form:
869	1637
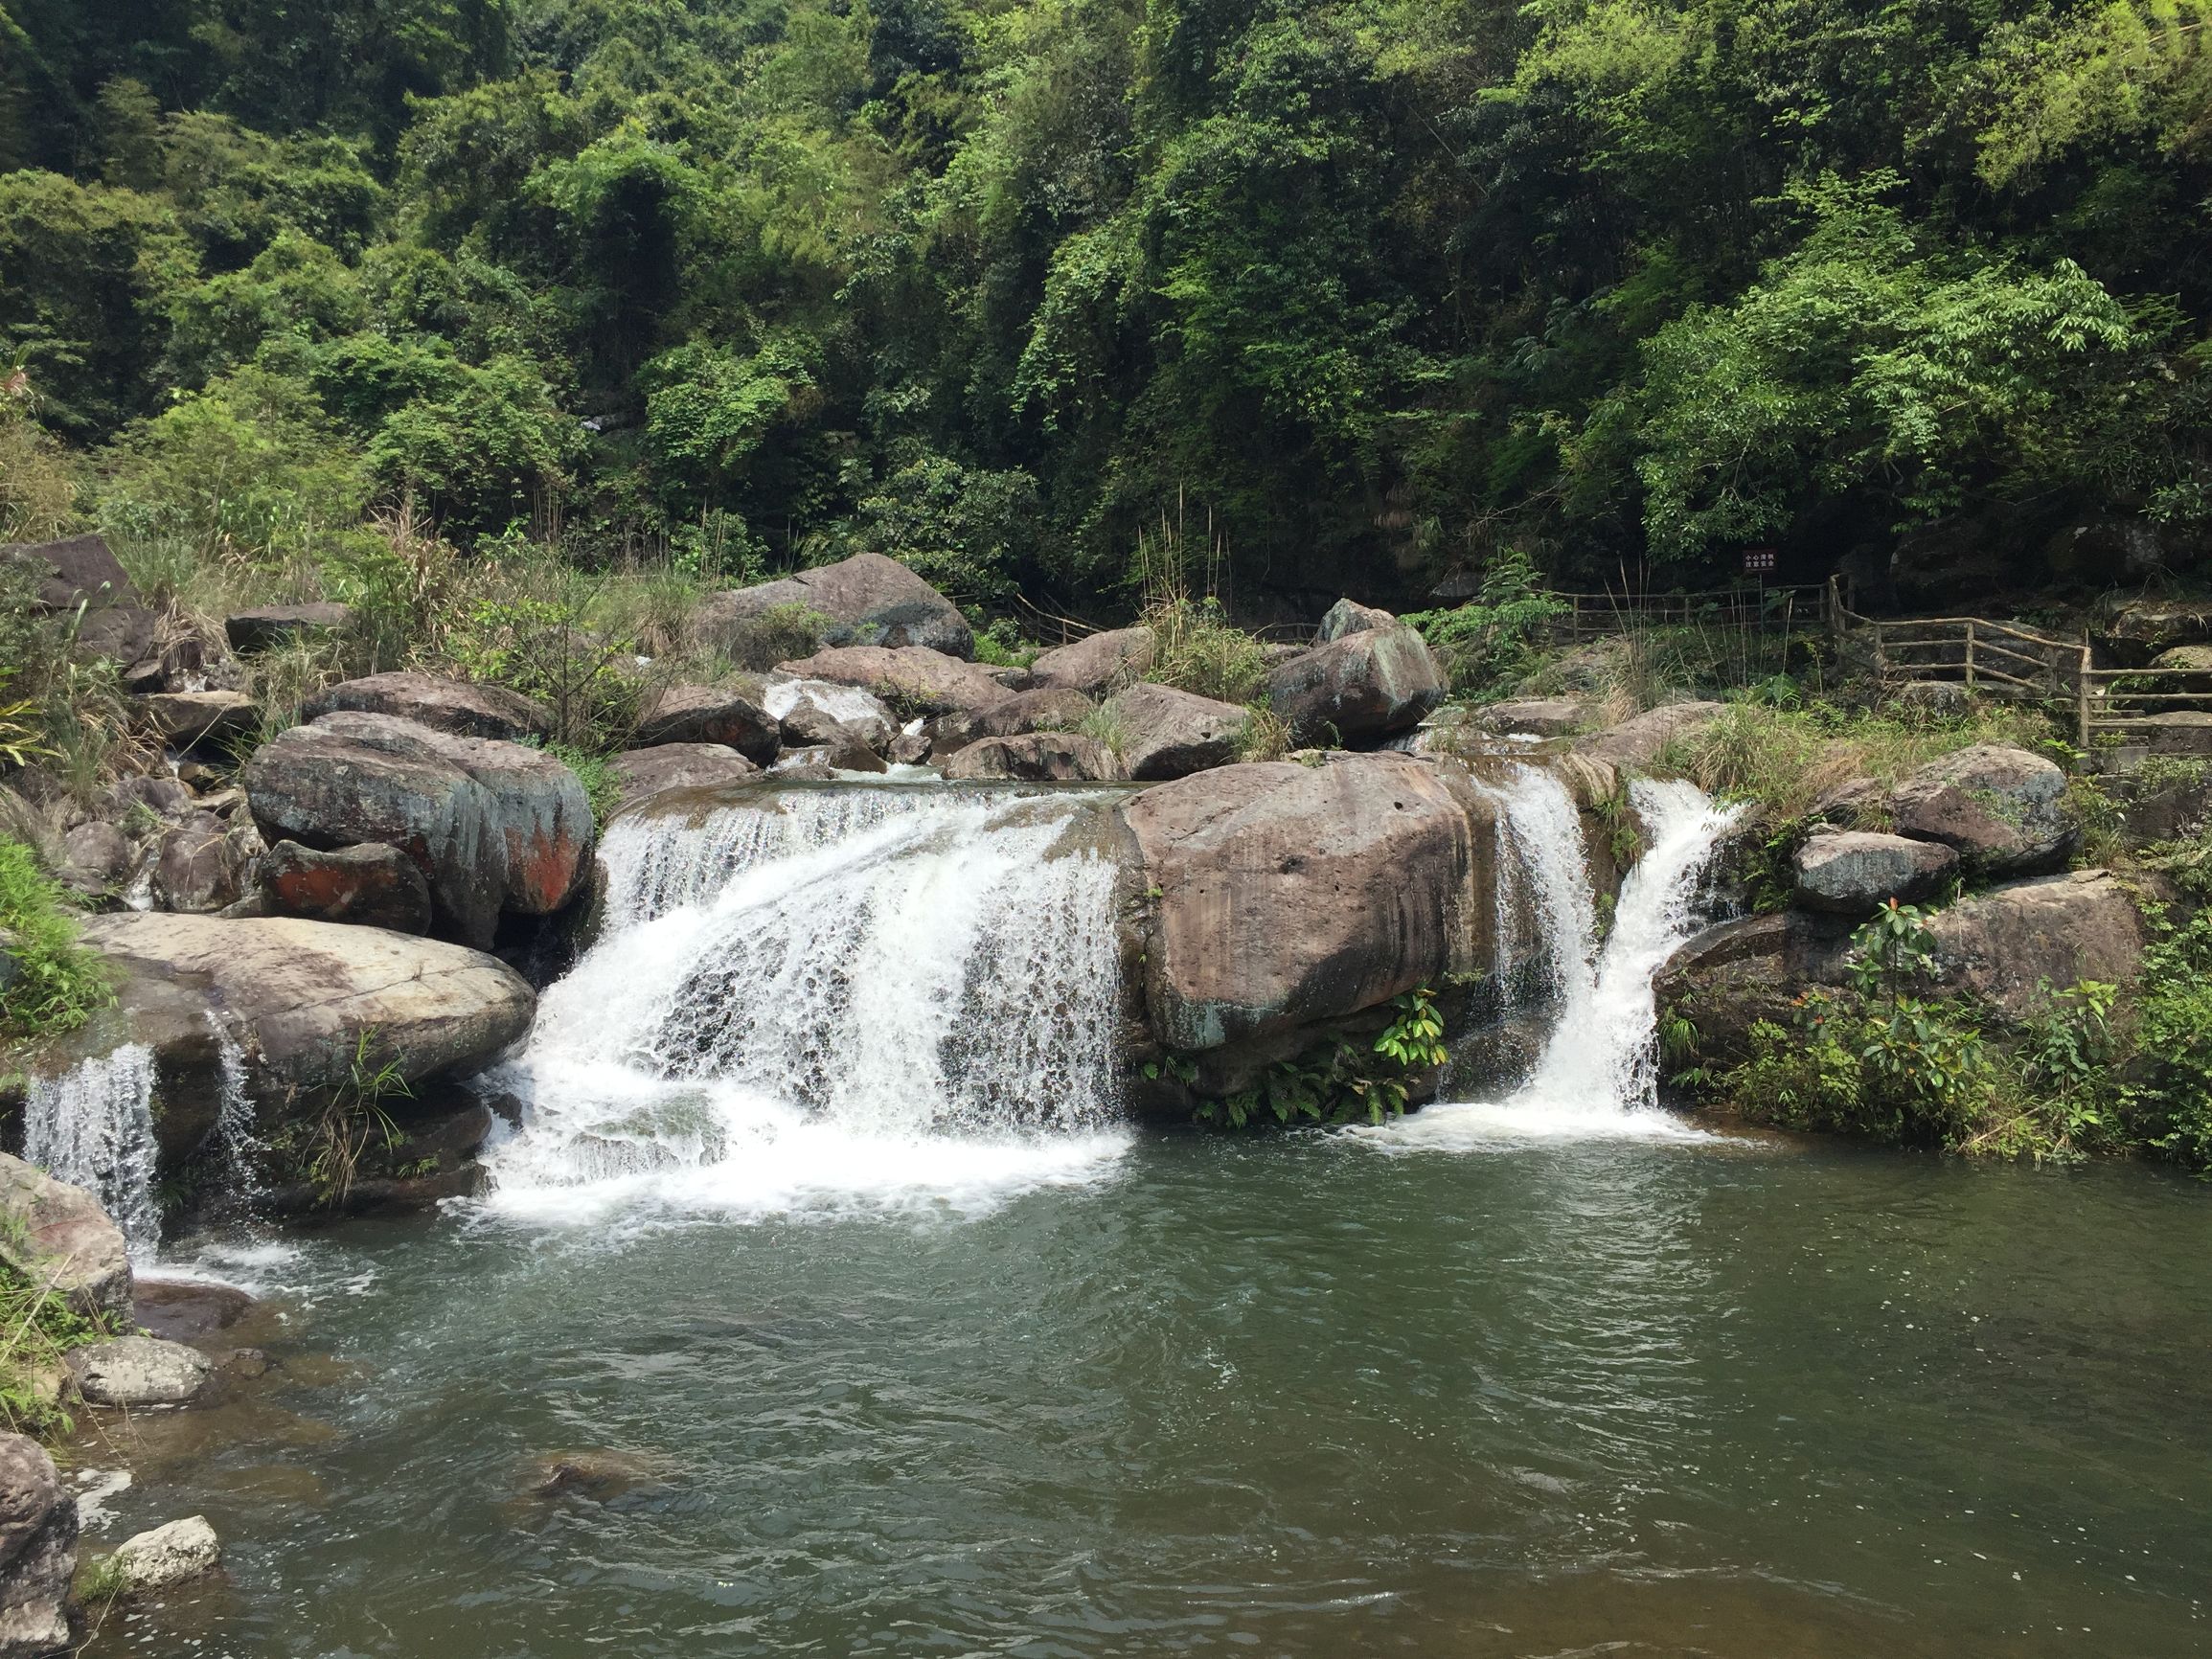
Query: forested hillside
1365	291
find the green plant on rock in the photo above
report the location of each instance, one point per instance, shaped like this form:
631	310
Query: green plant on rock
354	1122
1489	643
37	1329
1340	1083
49	982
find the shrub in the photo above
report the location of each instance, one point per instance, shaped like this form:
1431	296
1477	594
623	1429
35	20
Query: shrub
1194	648
1486	644
57	983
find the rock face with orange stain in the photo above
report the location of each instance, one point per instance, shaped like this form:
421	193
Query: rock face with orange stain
370	885
493	827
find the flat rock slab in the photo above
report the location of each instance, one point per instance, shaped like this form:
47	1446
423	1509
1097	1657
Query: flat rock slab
867	600
434	700
1855	872
57	1234
910	678
172	1554
2003	809
140	1371
1637	742
1165	733
275	624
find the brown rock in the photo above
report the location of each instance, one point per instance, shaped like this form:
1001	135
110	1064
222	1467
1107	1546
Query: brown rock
1050	709
1637	742
2003	944
732	717
1292	894
257	631
2003	809
368	885
433	700
1358	688
1098	666
1172	734
186	717
1039	757
37	1551
201	865
911	678
57	1235
81	571
96	857
641	774
866	600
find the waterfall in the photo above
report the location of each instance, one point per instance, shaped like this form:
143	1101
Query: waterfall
238	1141
902	992
1598	1070
93	1127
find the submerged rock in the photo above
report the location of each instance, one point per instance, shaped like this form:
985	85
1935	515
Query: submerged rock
446	705
1169	734
172	1554
37	1551
140	1371
2002	809
867	600
57	1234
1855	873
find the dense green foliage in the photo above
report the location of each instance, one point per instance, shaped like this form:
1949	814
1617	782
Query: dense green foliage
1382	286
49	982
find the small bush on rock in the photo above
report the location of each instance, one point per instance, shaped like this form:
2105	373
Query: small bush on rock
48	982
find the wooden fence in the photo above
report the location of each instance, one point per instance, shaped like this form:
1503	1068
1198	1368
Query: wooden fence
1594	615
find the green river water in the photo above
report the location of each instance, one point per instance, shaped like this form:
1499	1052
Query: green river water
1307	1396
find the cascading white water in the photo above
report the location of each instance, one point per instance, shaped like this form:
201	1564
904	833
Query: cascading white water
900	993
1597	1073
93	1127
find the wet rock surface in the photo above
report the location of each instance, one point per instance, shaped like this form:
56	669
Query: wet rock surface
139	1371
370	885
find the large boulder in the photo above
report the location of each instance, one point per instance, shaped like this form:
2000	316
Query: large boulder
1048	708
140	1371
912	679
2003	809
2002	945
1288	895
1349	616
2136	631
1637	742
1732	975
53	1233
866	600
1036	757
731	715
1098	665
1359	687
370	885
37	1551
297	997
1855	872
96	856
81	571
641	774
271	626
822	712
183	719
493	827
433	700
1165	732
200	866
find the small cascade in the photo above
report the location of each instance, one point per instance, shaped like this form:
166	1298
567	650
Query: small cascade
93	1127
238	1141
904	989
1542	879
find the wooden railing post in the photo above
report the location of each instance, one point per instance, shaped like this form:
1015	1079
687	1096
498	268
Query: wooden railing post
2082	700
1970	656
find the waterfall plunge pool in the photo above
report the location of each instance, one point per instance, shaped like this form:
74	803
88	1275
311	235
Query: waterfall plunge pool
1307	1396
824	1307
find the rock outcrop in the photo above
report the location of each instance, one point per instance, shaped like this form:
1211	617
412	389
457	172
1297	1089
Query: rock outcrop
1288	895
492	825
1360	687
177	1554
37	1551
1855	873
1036	757
2002	809
433	700
1350	617
731	715
1165	732
911	678
866	600
1535	718
57	1235
641	774
2002	945
370	885
83	571
1097	666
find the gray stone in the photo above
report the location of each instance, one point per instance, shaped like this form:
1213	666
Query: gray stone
1350	617
58	1236
1037	757
436	701
1536	718
1359	688
731	715
172	1554
1047	709
1169	734
1637	742
2002	945
165	797
183	719
911	678
641	774
95	858
139	1371
275	624
814	712
2003	809
368	885
1855	873
1098	666
37	1551
200	866
80	571
866	600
